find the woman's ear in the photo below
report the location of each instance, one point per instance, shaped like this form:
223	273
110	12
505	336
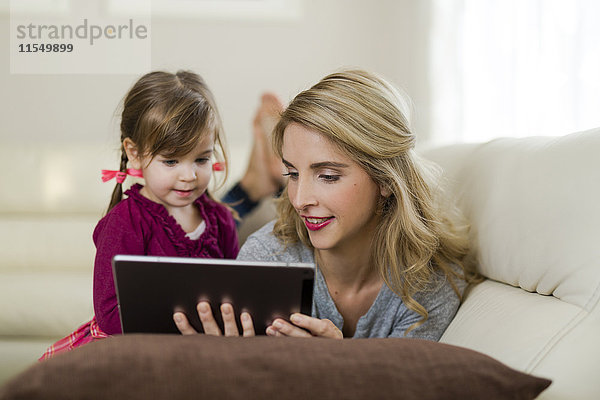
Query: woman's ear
385	191
132	153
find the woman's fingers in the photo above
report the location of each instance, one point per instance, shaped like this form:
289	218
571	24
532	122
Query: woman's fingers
183	324
284	328
208	320
312	327
271	331
318	327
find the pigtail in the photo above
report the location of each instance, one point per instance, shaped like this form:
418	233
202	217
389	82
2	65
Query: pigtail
117	193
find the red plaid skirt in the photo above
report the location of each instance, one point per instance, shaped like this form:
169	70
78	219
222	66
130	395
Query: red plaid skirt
86	333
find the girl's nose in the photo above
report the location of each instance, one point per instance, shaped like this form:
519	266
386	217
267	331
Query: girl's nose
188	173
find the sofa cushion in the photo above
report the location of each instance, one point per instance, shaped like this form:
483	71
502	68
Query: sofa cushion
533	208
537	334
61	178
47	243
44	304
185	367
532	204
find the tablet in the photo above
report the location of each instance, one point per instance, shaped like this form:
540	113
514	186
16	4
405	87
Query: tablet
150	289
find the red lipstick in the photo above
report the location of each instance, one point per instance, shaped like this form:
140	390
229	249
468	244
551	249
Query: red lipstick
315	226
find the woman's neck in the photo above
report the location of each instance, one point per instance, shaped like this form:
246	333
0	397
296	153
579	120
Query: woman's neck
349	266
347	270
353	284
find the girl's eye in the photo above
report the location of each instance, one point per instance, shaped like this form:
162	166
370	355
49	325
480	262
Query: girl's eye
170	163
329	178
202	160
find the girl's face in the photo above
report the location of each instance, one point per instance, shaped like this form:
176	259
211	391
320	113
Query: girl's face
176	182
333	195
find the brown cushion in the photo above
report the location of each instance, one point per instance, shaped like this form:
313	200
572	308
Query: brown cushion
204	367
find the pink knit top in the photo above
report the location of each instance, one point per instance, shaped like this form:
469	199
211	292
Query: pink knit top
139	226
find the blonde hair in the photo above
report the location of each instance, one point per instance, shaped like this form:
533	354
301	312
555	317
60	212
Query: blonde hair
165	113
363	116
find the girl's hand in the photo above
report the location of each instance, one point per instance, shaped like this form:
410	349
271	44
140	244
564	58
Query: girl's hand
315	327
210	325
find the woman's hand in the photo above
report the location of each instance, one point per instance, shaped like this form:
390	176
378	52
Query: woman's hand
210	324
315	327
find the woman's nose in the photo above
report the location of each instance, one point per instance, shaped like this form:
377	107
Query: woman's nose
301	194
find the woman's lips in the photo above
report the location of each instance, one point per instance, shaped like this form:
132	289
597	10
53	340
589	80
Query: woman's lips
315	223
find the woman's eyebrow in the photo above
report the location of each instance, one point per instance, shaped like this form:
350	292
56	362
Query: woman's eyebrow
328	164
322	164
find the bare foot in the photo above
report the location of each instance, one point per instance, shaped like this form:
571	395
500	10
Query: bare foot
265	120
264	174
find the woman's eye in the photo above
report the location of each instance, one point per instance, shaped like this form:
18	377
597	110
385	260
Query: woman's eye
292	175
329	178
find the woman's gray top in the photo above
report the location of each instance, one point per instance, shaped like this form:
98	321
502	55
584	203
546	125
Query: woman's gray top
387	317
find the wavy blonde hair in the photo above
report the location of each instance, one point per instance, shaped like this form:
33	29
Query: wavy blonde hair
418	233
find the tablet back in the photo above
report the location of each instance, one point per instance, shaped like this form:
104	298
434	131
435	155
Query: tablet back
150	289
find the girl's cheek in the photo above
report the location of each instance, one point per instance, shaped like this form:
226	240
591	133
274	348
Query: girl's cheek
207	174
206	171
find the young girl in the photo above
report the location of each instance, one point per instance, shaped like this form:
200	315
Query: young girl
360	204
170	133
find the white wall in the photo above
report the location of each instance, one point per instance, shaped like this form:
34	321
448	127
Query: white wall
239	59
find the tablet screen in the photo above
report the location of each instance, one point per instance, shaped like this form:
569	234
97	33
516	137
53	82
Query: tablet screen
150	289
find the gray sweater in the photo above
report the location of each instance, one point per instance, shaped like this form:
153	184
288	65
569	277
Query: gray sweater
387	317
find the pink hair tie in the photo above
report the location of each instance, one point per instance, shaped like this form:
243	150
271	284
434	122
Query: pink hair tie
108	174
218	166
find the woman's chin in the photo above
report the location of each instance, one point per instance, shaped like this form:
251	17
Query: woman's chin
320	243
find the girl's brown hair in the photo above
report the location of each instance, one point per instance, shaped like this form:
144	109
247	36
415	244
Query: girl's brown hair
167	114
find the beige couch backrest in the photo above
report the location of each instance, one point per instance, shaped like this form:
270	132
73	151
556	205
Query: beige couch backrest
534	205
52	197
534	208
55	179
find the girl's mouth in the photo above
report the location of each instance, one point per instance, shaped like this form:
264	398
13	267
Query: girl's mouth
314	223
183	193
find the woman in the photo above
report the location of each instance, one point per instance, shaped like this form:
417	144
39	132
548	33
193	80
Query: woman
360	205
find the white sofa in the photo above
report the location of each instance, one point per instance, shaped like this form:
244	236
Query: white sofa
534	206
50	204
